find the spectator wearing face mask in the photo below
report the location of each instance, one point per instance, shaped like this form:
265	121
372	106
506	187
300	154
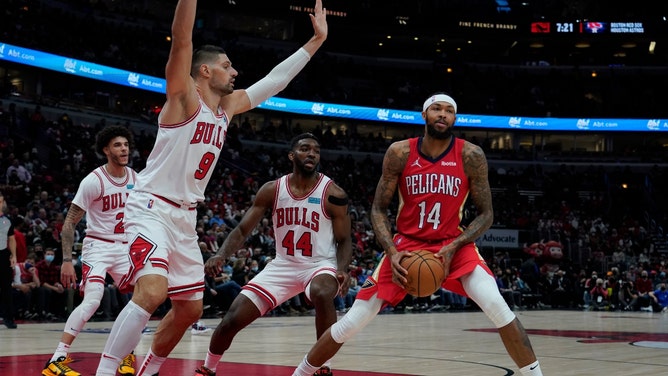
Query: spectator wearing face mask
52	295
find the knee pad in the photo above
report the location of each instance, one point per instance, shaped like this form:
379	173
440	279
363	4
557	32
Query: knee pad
91	301
482	288
359	316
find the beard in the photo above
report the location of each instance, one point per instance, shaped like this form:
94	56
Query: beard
306	171
439	135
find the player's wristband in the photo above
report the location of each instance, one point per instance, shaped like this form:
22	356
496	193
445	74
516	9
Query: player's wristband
67	259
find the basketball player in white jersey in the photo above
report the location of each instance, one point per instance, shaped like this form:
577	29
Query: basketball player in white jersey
101	197
160	213
313	249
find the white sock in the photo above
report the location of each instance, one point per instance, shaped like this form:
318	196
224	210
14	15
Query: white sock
305	368
124	337
62	350
532	369
211	361
151	364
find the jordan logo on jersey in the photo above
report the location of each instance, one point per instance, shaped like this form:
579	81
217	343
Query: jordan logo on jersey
114	201
417	163
297	216
208	133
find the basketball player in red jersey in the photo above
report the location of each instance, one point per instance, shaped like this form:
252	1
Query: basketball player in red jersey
313	249
160	213
434	175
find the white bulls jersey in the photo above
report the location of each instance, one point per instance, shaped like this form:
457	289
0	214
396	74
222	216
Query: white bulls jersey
302	228
103	198
184	156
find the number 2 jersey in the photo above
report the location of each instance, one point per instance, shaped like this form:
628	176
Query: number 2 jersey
302	229
184	156
103	198
432	193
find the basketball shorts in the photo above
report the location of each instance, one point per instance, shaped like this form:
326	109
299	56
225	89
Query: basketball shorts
280	280
99	257
380	282
163	241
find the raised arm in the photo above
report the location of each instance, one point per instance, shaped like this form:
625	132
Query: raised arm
264	201
283	73
181	94
337	208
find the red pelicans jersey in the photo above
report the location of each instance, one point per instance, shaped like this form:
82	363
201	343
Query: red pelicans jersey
432	193
103	198
302	228
184	156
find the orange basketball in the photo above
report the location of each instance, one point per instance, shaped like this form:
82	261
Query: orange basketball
425	273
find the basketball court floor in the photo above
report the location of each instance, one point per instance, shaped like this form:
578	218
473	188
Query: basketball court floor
446	343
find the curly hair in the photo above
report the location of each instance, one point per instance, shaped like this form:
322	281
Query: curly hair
107	134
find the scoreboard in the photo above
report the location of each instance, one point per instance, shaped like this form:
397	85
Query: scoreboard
587	27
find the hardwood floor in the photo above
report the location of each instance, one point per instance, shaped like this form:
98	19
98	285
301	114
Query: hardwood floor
448	343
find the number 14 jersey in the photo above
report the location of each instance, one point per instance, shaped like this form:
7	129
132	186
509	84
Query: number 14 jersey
432	193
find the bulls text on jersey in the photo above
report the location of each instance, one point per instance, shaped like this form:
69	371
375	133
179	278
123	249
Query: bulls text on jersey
114	201
208	133
297	216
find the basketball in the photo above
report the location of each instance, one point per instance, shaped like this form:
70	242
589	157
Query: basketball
425	273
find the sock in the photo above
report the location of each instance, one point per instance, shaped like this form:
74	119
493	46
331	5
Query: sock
151	364
124	337
305	369
211	361
62	350
532	369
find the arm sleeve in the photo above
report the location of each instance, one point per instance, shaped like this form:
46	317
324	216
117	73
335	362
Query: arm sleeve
278	78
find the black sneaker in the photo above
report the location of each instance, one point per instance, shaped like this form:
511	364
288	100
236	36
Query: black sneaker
10	324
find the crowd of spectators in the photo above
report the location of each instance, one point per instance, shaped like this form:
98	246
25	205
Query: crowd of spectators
606	231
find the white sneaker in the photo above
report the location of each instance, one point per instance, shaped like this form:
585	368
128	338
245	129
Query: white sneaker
646	309
199	328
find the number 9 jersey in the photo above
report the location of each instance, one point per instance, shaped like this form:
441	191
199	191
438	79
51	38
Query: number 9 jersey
184	156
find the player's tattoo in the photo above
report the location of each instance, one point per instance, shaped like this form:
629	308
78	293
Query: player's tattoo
393	165
475	167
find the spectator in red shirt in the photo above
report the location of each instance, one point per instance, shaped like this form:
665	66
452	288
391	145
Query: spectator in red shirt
644	287
52	295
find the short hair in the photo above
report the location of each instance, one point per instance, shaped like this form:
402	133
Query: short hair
205	54
107	134
295	140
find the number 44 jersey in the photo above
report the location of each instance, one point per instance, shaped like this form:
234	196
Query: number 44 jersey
302	228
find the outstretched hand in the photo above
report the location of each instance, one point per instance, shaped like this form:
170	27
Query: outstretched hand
319	20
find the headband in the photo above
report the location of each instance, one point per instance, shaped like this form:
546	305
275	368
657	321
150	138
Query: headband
439	98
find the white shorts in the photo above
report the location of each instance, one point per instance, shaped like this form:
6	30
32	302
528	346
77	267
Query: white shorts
163	241
99	257
280	280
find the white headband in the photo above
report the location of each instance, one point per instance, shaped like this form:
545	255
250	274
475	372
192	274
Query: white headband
439	98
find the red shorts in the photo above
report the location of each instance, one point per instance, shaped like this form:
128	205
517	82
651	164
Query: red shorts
463	263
